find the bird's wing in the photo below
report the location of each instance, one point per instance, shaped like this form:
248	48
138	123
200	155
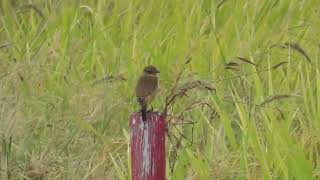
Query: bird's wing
146	86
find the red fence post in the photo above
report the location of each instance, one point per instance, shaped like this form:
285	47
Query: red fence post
148	160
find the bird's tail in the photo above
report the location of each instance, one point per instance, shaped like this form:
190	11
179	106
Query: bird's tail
143	108
144	114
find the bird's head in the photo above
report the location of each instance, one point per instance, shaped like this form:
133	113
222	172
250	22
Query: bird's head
151	70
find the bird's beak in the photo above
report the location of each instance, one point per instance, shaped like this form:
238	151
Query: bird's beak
157	71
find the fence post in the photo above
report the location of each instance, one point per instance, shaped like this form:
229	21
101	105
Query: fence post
148	160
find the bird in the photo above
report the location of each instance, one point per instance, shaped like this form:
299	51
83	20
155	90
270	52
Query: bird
147	88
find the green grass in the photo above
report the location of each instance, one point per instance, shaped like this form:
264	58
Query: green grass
58	121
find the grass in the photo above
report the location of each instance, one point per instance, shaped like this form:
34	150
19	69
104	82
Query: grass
68	71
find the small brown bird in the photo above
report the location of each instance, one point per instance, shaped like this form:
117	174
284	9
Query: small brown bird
147	88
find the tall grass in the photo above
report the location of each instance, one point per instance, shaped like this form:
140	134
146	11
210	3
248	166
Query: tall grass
68	70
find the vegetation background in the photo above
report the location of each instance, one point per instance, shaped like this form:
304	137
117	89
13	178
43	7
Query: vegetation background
68	70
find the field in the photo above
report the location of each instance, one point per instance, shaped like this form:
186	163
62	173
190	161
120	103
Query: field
68	70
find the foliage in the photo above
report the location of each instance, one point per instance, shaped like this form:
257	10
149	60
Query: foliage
68	70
